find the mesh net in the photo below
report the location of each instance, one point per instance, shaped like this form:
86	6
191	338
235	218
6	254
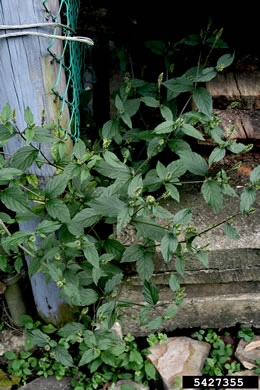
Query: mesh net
75	57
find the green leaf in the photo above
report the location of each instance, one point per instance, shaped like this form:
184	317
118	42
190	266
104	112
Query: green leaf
91	254
83	219
166	113
70	328
154	147
150	101
191	131
63	356
88	356
143	314
164	127
194	163
216	155
230	231
203	100
255	175
150	370
145	267
110	128
88	297
43	135
123	219
135	356
29	134
3	263
126	119
174	193
10	173
131	106
155	323
28	116
161	170
178	85
228	190
111	284
133	253
119	104
6	112
103	205
17	238
171	311
169	245
237	148
203	258
136	186
226	60
148	228
56	185
79	149
212	194
174	283
38	338
180	265
207	74
24	157
10	355
150	293
112	171
57	209
14	199
49	329
183	217
5	134
247	198
34	266
48	226
179	145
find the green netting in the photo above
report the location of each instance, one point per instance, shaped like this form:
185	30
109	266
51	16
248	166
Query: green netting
69	9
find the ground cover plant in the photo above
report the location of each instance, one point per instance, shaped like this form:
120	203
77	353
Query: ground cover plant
99	189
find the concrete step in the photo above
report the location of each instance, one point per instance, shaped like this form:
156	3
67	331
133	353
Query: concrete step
223	295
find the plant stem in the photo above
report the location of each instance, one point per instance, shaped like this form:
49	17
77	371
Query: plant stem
32	192
19	245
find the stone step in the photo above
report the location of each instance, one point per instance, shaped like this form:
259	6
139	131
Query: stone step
226	293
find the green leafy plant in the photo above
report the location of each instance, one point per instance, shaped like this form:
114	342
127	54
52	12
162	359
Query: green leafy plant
105	186
246	334
21	365
220	354
257	370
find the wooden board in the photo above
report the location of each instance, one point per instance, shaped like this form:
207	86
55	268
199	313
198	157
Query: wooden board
247	123
244	88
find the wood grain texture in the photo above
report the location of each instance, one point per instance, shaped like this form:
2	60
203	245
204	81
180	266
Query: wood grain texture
27	73
243	87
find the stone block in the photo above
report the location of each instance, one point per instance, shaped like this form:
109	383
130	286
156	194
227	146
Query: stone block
180	356
226	293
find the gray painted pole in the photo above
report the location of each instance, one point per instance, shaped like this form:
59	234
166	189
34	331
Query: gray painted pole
27	73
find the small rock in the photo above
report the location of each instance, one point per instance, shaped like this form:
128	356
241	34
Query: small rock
50	383
246	373
130	383
248	358
180	356
11	342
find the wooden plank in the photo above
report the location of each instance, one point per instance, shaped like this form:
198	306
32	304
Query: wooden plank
230	118
27	73
223	88
248	84
242	87
247	123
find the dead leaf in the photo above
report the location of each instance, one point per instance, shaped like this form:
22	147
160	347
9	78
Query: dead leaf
252	345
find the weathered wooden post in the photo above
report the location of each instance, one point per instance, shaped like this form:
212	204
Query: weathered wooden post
27	74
